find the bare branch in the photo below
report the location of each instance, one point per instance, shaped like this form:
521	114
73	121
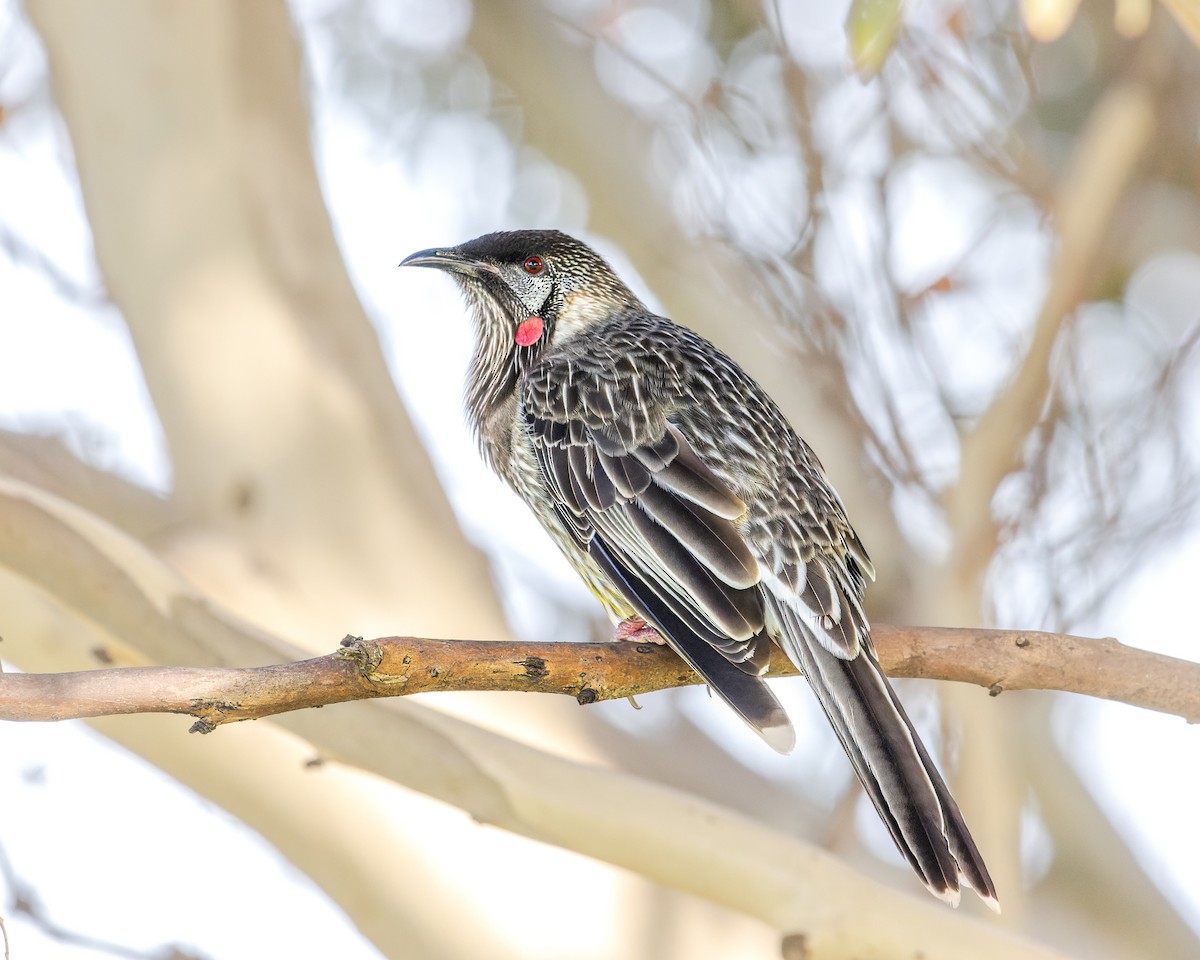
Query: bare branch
589	672
670	838
122	591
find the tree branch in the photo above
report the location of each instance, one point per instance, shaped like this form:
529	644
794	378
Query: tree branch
108	591
397	666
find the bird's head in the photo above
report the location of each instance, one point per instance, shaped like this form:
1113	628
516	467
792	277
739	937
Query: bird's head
528	290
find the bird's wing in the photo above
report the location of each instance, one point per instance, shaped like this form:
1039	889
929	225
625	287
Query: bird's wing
812	560
632	492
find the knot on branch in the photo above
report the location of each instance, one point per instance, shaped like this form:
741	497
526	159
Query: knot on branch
366	655
210	714
535	668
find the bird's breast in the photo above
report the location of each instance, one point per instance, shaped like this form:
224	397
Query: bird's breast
517	464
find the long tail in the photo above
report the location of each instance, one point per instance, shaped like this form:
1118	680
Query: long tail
892	763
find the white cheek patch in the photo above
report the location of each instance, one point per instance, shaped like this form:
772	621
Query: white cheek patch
579	311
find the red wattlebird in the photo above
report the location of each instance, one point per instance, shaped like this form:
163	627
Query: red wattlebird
684	499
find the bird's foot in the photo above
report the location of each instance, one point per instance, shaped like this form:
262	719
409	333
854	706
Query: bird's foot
637	630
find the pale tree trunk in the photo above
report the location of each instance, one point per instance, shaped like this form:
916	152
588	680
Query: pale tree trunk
296	471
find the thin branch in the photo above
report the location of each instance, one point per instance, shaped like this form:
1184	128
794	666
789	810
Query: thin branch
397	666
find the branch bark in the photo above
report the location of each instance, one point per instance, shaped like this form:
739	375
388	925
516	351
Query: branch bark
398	666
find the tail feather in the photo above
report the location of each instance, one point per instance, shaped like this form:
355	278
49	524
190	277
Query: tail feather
970	861
891	761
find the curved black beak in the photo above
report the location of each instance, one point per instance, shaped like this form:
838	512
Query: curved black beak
449	259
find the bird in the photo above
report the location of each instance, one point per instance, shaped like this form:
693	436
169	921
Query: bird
690	507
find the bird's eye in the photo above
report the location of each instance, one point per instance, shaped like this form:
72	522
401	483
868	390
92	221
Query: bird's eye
534	265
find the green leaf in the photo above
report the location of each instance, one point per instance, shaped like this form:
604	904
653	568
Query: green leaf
871	28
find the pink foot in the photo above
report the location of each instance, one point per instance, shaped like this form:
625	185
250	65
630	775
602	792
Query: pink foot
637	630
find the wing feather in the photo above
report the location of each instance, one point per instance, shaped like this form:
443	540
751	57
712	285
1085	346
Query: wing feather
713	539
660	524
627	475
738	613
687	476
746	693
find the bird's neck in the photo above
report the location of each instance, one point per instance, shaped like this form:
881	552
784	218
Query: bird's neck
491	385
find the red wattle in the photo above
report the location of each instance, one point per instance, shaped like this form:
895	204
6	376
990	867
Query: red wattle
529	331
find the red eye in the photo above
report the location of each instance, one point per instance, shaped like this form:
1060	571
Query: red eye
534	265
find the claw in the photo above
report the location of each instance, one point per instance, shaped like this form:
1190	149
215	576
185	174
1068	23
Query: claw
637	630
